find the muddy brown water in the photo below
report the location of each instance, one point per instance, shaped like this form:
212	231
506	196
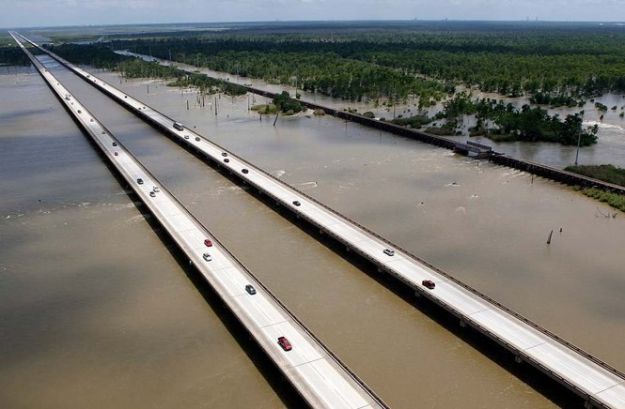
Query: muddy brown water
484	224
94	311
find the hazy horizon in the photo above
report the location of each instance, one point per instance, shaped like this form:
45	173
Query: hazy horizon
63	13
242	22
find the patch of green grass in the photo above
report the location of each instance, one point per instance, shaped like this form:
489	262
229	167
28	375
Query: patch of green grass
613	199
607	173
441	130
416	121
265	109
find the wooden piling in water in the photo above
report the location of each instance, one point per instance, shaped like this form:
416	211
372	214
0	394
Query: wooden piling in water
549	238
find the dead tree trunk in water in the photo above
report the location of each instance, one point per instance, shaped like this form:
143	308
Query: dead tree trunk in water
549	238
276	119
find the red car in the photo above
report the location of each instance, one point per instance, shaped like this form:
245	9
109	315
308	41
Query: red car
208	243
285	344
428	284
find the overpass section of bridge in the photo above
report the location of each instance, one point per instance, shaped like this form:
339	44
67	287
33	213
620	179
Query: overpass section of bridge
315	373
593	380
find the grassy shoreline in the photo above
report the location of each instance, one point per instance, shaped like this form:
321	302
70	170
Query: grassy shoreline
607	173
613	199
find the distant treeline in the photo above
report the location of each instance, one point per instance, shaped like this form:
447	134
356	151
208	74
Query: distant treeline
582	63
103	56
13	56
305	65
96	55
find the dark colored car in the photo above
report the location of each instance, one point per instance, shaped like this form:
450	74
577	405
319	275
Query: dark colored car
208	243
114	143
296	203
115	153
197	139
226	160
285	344
245	171
428	284
140	181
250	289
152	194
178	126
224	154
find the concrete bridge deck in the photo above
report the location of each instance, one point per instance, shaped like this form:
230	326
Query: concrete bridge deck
596	382
318	375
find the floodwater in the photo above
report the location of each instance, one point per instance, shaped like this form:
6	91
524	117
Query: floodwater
487	225
94	310
610	147
400	352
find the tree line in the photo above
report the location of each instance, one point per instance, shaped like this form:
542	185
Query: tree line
103	56
579	62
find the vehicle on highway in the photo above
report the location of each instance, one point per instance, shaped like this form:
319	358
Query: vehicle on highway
389	252
428	284
156	189
226	160
152	194
245	171
207	257
285	344
224	154
186	137
250	289
139	181
114	143
197	139
115	153
208	243
296	203
178	126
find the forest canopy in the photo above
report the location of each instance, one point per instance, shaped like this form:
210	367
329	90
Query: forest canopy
352	65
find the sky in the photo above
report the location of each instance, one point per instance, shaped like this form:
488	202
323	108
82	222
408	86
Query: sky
31	13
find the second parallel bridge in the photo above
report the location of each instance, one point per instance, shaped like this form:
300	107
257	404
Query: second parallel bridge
596	382
315	373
